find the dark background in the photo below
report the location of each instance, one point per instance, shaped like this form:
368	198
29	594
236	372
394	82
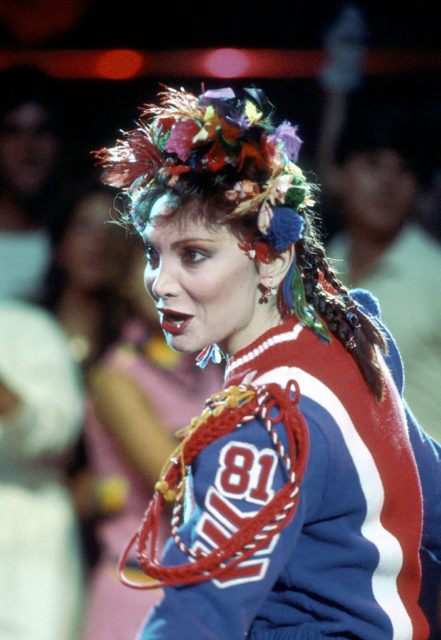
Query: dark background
158	25
97	108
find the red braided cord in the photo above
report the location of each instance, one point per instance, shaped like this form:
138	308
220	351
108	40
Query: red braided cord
270	519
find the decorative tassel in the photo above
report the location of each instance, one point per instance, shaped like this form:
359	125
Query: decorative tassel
211	352
294	293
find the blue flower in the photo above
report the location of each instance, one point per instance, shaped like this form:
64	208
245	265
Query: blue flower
285	228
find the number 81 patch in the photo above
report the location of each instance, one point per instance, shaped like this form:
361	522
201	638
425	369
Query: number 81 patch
246	472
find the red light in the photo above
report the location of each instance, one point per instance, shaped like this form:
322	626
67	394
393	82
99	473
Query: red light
119	64
227	63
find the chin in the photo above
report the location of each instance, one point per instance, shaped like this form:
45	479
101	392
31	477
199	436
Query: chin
179	344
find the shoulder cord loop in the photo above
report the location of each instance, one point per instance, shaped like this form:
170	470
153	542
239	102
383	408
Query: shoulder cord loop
225	411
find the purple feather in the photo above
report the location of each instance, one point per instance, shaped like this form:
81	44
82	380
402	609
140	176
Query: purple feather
286	134
219	94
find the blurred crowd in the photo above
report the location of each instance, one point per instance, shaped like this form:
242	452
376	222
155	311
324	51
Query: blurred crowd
90	394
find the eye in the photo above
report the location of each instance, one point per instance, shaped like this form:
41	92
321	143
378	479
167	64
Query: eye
192	255
151	256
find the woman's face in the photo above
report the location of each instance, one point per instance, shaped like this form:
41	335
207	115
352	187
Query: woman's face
205	287
93	252
28	149
378	192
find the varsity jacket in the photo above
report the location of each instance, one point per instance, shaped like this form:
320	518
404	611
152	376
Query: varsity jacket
345	564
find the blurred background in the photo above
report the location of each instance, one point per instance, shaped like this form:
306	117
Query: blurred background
111	56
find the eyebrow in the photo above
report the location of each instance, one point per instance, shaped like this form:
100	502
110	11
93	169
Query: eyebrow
183	241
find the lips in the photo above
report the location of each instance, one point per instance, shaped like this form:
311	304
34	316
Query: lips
174	322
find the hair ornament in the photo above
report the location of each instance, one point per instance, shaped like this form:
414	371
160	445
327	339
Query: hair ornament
228	137
258	251
294	294
351	343
353	319
285	228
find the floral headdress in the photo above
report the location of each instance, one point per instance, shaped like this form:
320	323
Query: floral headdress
218	134
233	142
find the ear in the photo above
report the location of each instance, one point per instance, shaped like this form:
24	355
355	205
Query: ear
273	273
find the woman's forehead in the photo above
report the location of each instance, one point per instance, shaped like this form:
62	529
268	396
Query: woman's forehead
169	216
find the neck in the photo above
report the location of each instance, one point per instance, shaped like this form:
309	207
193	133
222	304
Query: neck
266	317
79	312
12	216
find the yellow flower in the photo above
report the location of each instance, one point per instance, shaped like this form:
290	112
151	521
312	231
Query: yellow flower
204	133
209	113
252	113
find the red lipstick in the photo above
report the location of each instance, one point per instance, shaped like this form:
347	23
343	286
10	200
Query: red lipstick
174	322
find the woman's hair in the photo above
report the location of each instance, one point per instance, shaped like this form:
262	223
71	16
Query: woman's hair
225	152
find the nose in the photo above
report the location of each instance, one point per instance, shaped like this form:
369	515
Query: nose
161	282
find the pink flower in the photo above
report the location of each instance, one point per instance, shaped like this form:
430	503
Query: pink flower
181	139
242	191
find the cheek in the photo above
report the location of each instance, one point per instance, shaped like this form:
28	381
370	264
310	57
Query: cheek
148	281
408	191
363	182
233	293
357	196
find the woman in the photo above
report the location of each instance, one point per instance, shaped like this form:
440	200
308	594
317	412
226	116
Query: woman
297	508
91	257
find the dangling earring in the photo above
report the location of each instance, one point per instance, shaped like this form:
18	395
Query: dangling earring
267	293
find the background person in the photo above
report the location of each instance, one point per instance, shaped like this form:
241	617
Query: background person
41	391
33	178
375	172
374	181
40	419
90	257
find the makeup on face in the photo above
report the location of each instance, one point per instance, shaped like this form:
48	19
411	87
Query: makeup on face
205	287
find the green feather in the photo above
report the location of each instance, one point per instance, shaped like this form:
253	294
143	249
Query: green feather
304	311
